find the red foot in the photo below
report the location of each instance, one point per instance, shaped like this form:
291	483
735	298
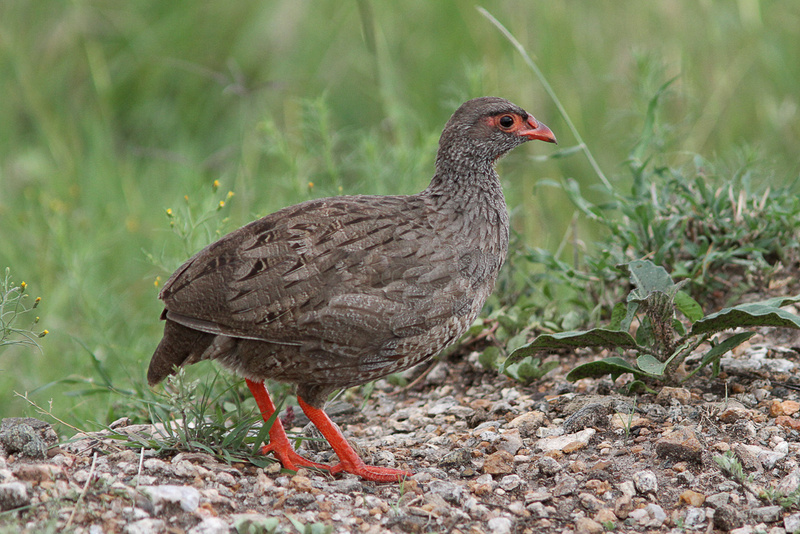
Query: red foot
349	461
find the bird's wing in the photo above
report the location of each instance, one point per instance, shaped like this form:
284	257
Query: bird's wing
327	271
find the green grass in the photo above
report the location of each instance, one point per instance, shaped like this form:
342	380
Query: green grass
112	113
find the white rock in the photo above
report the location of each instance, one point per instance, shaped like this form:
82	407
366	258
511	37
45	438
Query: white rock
695	517
557	443
442	405
499	525
792	522
767	457
210	525
13	495
627	488
645	481
510	482
639	515
145	526
187	496
656	513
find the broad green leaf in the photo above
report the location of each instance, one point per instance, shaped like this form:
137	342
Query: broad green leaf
615	366
688	306
650	364
647	278
529	370
748	315
597	337
729	344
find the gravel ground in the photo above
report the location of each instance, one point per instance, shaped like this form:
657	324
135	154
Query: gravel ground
488	456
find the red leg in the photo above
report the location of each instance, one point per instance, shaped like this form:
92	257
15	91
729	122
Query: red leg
349	461
278	441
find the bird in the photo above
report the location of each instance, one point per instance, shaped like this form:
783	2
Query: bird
335	292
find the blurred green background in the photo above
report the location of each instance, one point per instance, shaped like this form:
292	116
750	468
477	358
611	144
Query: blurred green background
113	112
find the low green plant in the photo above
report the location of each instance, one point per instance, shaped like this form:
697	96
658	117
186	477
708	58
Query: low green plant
661	341
12	310
207	417
732	467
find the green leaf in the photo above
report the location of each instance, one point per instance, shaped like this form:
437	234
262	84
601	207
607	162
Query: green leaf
749	315
615	366
630	314
650	364
647	278
618	314
597	337
688	306
717	351
488	358
529	370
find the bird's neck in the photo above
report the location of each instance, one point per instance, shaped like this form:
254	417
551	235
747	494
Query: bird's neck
471	203
465	181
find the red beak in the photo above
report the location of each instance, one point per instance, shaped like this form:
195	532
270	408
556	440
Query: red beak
538	131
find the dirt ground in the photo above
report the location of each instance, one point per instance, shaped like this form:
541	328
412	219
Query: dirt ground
488	455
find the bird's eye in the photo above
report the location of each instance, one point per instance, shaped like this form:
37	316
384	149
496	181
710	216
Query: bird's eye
506	121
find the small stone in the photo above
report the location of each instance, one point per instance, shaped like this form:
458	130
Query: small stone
509	442
732	410
605	516
499	525
627	488
565	485
788	422
584	525
757	457
656	513
37	472
792	522
528	423
499	463
441	406
548	466
727	517
766	514
13	495
510	482
162	496
599	487
20	437
456	458
590	415
680	445
639	516
692	498
790	482
590	502
145	526
645	481
694	518
558	443
539	495
449	491
718	499
210	525
668	396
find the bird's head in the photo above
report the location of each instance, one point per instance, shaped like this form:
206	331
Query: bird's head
484	129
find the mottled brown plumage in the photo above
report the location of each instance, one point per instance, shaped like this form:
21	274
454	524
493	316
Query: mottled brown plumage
335	292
